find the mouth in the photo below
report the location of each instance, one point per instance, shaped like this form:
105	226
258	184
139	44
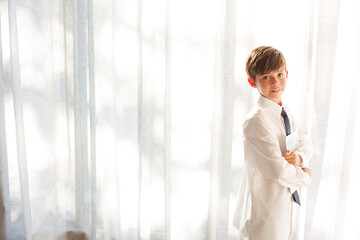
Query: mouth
276	91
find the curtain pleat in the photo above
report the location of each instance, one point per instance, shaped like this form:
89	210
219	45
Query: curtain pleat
167	124
54	225
19	119
139	112
4	176
68	110
153	106
82	178
310	61
324	65
346	165
222	128
92	113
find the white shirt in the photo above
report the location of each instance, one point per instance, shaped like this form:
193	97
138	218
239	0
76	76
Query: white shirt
265	208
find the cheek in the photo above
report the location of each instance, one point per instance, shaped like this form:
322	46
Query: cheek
260	86
266	85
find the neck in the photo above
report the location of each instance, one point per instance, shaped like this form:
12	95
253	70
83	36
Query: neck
279	102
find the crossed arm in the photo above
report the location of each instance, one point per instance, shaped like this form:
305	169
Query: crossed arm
261	145
296	160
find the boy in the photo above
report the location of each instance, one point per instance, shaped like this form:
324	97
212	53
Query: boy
275	153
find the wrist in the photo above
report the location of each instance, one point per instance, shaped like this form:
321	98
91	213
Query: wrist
300	160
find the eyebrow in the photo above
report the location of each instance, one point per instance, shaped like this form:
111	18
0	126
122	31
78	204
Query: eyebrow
267	73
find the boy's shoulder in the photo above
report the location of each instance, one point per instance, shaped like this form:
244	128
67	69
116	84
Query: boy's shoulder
257	116
257	113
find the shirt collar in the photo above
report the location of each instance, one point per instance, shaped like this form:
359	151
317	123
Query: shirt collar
268	104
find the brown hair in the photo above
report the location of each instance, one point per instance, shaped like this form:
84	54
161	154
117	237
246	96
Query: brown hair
264	59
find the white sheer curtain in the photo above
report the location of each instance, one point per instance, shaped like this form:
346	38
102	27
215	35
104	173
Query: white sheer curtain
121	119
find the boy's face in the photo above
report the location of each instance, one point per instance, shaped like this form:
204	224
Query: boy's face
271	85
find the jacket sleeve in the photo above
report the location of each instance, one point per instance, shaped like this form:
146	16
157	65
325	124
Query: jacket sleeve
262	147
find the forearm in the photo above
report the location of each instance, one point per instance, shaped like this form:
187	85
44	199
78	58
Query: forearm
273	166
299	179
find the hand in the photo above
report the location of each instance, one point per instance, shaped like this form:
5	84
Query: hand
307	170
293	158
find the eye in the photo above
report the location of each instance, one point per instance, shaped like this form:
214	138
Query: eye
266	77
281	74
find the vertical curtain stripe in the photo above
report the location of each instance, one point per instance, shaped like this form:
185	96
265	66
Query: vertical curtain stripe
226	78
310	60
69	74
326	47
4	175
146	141
348	151
139	108
167	121
115	84
55	13
80	116
67	96
19	119
343	186
211	223
92	110
308	89
222	122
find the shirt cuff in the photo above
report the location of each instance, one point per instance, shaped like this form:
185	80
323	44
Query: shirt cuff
308	178
304	163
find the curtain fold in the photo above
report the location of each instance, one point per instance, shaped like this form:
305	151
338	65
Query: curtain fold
82	177
122	119
326	45
19	119
222	122
92	111
4	176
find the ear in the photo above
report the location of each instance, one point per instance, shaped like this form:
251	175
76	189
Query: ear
252	82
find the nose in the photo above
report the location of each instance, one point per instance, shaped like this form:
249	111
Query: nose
276	81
